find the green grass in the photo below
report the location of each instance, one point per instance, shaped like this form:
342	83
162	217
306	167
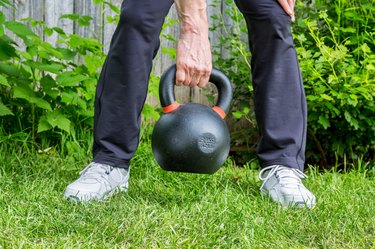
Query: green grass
177	210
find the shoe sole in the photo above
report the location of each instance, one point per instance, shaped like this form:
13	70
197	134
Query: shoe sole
118	189
299	204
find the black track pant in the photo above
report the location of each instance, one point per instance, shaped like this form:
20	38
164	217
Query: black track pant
280	104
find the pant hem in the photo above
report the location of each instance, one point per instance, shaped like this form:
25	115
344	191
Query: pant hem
112	161
284	162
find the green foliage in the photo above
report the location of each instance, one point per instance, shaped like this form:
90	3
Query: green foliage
5	3
335	42
235	62
45	88
336	50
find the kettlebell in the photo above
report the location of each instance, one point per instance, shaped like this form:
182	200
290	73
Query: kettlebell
192	137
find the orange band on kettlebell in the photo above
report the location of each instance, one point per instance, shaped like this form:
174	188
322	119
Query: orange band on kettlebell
219	111
171	107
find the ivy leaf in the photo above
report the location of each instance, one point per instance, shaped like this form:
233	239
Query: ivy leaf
52	67
26	93
5	110
324	122
72	17
9	69
67	54
365	48
169	51
93	63
2	17
57	119
113	7
3	81
7	51
43	124
149	111
326	97
98	2
352	121
19	29
70	79
84	20
49	86
237	114
46	50
5	3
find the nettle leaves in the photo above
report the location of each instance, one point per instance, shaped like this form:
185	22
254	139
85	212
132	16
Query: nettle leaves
40	81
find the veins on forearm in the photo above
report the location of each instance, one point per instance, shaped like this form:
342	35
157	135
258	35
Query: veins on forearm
192	15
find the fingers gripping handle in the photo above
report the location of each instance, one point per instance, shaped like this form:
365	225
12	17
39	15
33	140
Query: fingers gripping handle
218	78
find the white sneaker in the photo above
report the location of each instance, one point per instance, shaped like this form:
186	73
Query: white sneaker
97	182
284	186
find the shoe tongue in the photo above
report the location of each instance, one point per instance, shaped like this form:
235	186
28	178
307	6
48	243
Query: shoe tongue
97	169
90	180
288	176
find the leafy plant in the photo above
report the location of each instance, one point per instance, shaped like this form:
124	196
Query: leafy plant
336	49
335	43
45	88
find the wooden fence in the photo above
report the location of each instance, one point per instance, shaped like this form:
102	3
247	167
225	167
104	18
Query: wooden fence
50	10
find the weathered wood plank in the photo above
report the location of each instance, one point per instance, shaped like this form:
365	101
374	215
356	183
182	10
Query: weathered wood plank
88	8
53	11
36	9
109	28
9	12
26	9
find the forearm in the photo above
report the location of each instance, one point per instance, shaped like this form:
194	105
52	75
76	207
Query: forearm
193	58
192	15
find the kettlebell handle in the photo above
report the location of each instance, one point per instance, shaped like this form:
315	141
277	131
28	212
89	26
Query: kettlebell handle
218	78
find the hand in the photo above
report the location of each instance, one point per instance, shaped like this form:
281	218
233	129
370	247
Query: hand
194	62
288	6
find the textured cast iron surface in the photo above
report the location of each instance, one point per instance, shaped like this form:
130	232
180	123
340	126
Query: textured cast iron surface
192	138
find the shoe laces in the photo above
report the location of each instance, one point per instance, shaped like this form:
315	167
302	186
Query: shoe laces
285	175
96	171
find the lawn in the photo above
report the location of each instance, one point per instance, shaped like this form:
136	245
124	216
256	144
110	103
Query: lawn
177	210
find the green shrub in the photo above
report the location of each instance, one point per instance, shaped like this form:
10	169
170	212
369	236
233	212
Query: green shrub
335	43
47	90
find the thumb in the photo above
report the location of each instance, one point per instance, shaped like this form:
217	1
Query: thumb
286	7
180	76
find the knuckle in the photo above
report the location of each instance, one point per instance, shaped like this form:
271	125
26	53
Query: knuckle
181	64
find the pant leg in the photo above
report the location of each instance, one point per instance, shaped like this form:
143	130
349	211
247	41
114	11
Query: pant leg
122	87
280	104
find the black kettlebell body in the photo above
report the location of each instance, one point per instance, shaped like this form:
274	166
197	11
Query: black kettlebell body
192	137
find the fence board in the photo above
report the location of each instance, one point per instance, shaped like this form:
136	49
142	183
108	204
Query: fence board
88	8
8	12
109	28
36	9
51	10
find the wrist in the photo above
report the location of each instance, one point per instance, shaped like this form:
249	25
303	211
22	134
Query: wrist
194	25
